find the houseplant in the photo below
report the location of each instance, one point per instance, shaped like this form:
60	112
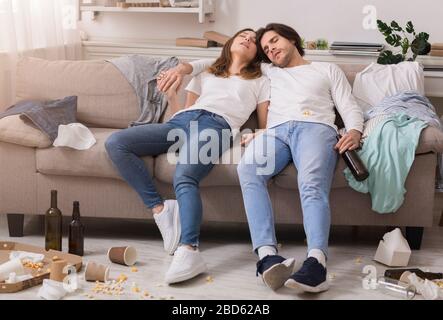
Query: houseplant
399	37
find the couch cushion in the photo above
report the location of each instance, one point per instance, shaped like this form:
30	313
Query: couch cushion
89	163
351	70
287	179
223	174
15	130
220	175
105	98
431	140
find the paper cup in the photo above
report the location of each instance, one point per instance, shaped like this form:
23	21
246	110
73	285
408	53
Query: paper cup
57	270
96	272
123	255
12	266
51	290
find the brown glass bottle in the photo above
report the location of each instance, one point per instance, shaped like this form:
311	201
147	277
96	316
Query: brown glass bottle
355	164
53	225
76	232
397	273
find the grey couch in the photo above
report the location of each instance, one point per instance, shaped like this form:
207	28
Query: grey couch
106	104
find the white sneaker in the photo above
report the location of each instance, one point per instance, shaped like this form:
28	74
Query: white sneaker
168	223
186	264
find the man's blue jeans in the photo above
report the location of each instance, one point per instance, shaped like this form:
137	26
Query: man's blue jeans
127	147
311	147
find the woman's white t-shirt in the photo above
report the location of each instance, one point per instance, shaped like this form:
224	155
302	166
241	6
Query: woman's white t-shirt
233	98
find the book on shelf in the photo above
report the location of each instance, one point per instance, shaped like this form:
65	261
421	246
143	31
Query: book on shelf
349	48
356	48
437	46
355	53
195	42
357	44
433	68
436	53
216	37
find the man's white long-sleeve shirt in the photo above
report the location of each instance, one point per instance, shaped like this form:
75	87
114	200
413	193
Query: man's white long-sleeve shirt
307	93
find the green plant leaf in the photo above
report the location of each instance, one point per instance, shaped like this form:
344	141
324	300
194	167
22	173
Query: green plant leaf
395	26
384	28
423	36
405	46
387	57
394	40
410	27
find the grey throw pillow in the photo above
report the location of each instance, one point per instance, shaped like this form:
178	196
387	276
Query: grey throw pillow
46	115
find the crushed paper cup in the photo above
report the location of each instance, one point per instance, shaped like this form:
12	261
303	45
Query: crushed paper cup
393	250
29	256
14	278
12	266
52	290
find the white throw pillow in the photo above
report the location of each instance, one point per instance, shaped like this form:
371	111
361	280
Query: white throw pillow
377	82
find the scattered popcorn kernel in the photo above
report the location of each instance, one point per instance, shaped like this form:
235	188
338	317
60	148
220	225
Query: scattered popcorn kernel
122	278
439	283
209	279
134	269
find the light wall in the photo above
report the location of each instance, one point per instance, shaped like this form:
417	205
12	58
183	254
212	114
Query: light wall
330	19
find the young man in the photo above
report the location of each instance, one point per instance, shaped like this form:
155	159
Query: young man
301	126
301	114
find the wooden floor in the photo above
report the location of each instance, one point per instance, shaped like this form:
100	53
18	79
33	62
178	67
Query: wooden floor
227	251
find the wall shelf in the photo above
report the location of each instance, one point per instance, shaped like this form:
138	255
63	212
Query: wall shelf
206	9
102	49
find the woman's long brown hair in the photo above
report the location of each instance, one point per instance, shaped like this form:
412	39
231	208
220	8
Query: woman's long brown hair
221	66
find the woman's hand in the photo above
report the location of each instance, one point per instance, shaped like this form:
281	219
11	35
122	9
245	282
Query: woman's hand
349	141
247	138
171	93
167	78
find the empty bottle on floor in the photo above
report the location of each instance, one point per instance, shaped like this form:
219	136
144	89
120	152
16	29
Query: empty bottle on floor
76	232
53	225
396	288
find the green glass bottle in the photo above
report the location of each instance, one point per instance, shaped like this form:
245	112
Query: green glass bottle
53	225
76	232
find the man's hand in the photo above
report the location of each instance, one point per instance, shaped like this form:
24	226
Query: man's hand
349	141
167	78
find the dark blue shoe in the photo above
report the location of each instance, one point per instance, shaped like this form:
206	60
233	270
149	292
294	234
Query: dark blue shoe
310	278
275	270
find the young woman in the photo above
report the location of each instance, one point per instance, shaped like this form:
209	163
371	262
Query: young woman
220	100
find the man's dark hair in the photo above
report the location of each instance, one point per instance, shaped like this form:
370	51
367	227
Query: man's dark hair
285	32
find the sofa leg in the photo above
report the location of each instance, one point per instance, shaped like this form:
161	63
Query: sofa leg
414	235
441	219
15	225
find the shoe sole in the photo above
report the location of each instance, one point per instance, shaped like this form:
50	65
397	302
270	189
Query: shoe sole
202	268
276	276
292	284
177	230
